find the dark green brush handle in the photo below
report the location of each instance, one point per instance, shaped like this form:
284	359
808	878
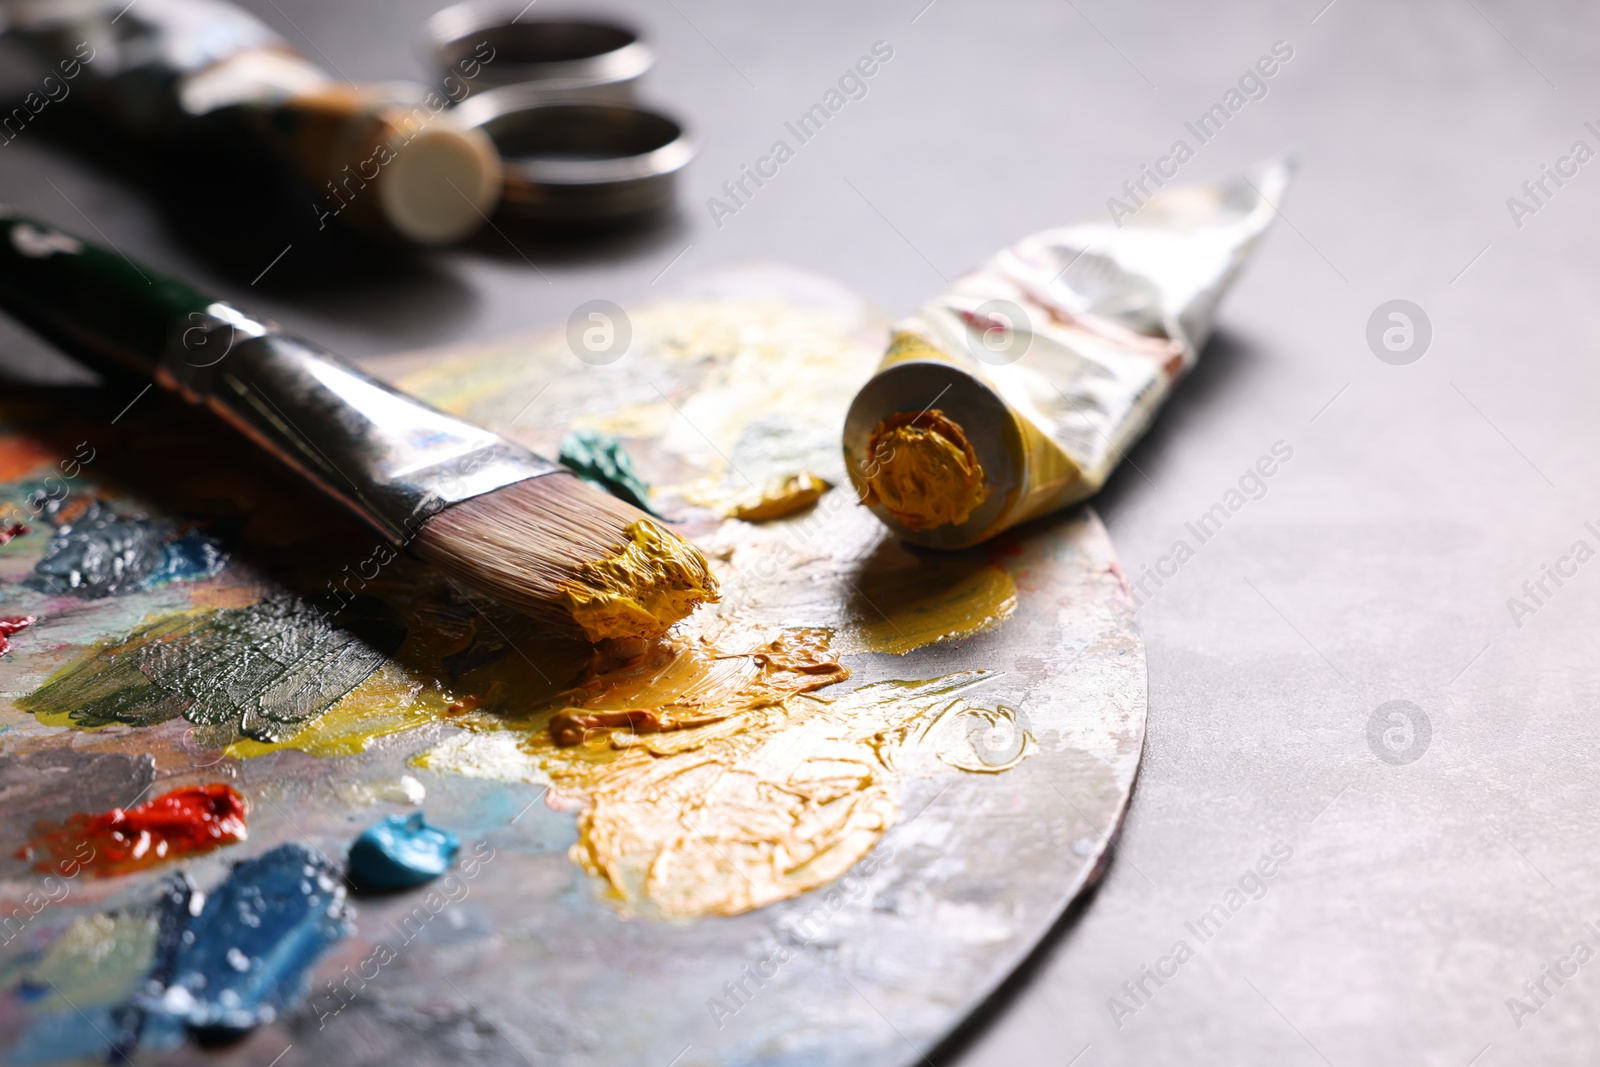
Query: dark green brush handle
392	460
94	303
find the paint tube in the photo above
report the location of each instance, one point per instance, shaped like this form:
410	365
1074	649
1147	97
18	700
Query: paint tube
182	73
1017	390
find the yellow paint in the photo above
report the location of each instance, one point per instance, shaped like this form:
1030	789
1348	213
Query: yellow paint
943	599
722	816
839	568
386	703
655	580
702	673
694	680
406	693
780	497
648	419
923	470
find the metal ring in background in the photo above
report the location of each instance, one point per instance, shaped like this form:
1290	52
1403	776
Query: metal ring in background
499	45
578	163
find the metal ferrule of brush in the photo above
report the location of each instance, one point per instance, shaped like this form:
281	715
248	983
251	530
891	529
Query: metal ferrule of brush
391	460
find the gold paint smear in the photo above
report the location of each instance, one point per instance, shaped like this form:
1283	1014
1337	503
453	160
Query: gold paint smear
924	470
781	497
657	579
842	570
694	682
901	610
771	792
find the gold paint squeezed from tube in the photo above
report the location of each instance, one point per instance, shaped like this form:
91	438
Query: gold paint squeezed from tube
924	470
657	579
1076	367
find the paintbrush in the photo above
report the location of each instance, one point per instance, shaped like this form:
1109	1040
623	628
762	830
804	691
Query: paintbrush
493	516
205	79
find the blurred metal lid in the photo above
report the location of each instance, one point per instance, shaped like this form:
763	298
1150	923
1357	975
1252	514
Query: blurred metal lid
491	43
578	162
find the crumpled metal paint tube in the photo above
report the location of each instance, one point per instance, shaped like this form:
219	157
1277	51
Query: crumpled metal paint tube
1017	390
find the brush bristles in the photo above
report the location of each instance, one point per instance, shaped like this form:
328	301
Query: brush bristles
523	543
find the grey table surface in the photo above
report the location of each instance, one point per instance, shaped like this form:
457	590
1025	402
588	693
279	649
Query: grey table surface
1381	561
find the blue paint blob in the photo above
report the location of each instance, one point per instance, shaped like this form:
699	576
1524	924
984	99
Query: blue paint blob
401	852
62	1037
101	553
174	909
245	956
188	559
224	963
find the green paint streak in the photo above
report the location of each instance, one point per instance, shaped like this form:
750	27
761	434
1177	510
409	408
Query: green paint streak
599	459
99	961
262	672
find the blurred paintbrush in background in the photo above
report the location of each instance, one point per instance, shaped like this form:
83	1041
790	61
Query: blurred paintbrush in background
388	161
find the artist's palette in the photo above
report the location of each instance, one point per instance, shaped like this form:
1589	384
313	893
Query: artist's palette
832	876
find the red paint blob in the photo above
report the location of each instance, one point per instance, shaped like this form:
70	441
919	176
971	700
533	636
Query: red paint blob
180	823
12	624
16	529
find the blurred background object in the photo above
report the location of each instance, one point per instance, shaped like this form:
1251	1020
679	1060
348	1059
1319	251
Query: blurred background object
207	80
594	59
